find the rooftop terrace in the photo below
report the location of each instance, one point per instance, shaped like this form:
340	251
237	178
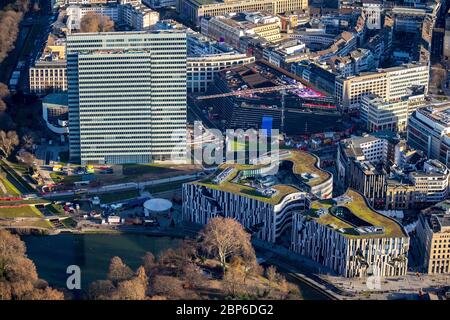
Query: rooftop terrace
234	180
361	217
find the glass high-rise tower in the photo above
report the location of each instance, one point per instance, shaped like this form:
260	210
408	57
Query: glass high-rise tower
127	96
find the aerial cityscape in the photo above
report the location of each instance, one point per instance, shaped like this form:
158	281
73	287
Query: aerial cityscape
225	150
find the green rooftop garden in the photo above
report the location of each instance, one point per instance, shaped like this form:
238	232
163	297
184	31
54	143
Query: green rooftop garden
303	163
358	206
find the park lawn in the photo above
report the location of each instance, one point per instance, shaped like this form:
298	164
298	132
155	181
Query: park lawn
118	196
20	212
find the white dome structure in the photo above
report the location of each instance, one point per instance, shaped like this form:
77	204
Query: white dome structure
157	206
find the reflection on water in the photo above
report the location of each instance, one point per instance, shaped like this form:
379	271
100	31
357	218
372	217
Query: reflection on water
92	253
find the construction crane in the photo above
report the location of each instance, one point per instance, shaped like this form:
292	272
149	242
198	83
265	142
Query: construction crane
282	89
251	91
247	92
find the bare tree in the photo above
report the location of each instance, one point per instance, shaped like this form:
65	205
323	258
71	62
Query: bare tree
8	141
36	7
9	29
225	238
149	263
101	290
193	276
119	271
27	141
4	91
132	289
94	22
271	274
18	276
27	158
234	280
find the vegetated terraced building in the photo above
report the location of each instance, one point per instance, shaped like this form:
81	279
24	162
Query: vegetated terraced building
349	237
127	96
263	197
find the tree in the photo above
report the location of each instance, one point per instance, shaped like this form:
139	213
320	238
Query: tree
94	22
234	279
271	274
225	238
27	141
192	275
101	290
133	289
8	141
27	158
9	29
18	276
119	271
149	263
36	7
171	288
4	92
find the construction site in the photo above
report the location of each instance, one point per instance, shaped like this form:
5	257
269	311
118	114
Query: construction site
260	95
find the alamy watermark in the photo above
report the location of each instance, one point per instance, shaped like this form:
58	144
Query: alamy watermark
233	146
73	281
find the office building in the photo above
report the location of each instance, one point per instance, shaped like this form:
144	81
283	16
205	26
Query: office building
48	76
194	10
202	69
373	10
347	236
261	197
381	114
433	233
134	15
429	131
127	96
391	83
232	27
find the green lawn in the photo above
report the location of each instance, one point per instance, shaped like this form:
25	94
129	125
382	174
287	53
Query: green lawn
42	224
69	223
136	169
56	209
26	212
166	187
11	190
118	196
64	178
